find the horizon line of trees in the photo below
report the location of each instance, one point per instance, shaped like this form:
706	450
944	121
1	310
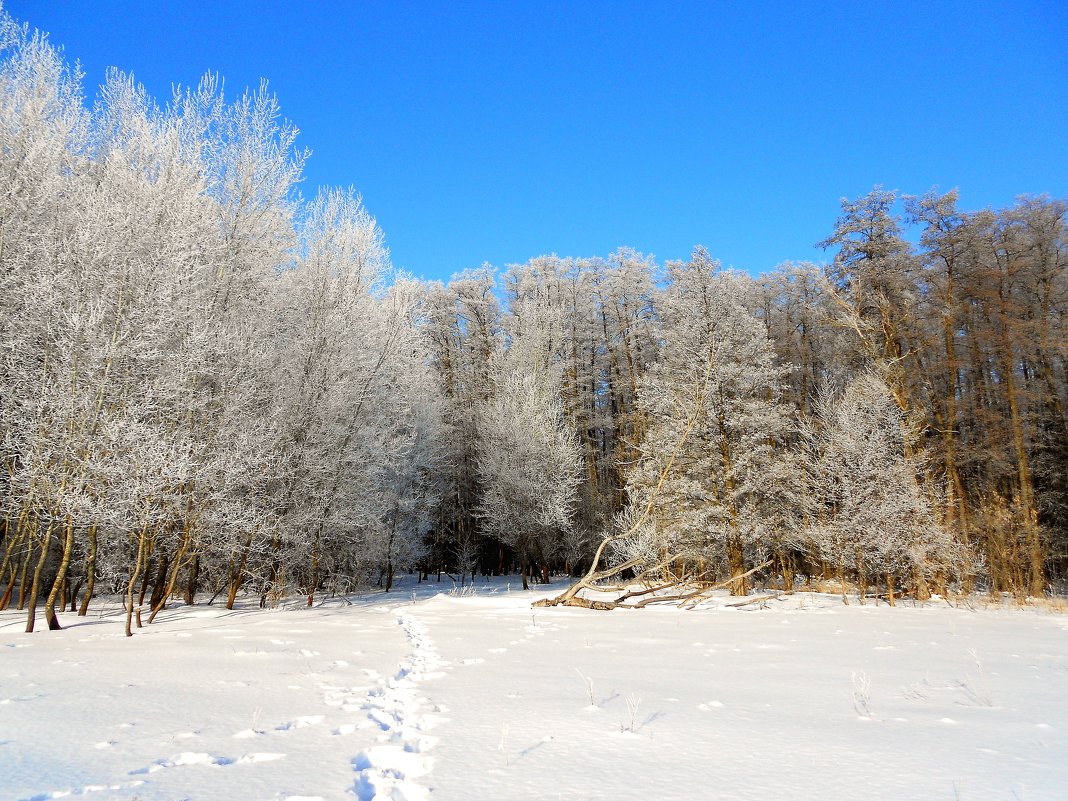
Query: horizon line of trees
211	385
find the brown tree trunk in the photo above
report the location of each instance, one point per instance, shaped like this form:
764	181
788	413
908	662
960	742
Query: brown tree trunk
191	581
61	575
922	591
25	567
314	580
159	585
160	602
786	565
1036	579
35	587
14	540
90	573
134	575
147	573
5	599
237	575
736	562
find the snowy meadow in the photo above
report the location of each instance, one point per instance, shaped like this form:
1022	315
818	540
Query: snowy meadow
423	694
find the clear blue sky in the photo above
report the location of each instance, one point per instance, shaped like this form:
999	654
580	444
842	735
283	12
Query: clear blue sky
501	131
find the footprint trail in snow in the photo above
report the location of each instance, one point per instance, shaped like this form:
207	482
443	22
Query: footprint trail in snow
392	770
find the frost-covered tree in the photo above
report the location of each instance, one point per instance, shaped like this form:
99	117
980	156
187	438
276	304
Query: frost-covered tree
717	502
871	515
529	459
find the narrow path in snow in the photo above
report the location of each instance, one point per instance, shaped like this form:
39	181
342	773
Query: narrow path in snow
393	770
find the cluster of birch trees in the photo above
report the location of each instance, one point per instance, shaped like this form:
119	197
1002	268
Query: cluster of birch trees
210	385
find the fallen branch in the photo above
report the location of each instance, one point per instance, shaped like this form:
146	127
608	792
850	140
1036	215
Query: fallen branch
688	599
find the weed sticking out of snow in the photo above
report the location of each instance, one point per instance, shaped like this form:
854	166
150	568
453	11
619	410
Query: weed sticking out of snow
633	701
975	687
502	744
861	693
588	684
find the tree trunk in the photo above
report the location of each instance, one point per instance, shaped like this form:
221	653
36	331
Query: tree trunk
25	567
786	564
61	575
314	580
171	581
35	587
5	599
147	573
237	577
1036	579
90	573
922	591
14	540
74	592
191	582
736	562
160	585
134	575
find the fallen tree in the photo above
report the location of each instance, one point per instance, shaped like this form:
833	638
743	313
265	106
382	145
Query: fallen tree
648	594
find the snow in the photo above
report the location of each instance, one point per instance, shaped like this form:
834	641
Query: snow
422	695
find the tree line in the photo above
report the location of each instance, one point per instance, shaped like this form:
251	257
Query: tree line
212	385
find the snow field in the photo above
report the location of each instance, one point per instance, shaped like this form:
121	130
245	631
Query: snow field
203	704
731	704
469	698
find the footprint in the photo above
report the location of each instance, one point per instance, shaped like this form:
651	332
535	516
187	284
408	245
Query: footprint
710	705
184	758
259	757
387	771
394	759
300	723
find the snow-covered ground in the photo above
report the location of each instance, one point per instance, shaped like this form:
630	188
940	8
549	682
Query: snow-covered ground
422	696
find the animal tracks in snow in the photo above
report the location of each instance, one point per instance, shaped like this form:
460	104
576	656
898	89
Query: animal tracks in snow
297	723
392	770
185	758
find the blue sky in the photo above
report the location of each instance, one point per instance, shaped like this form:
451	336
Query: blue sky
500	131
